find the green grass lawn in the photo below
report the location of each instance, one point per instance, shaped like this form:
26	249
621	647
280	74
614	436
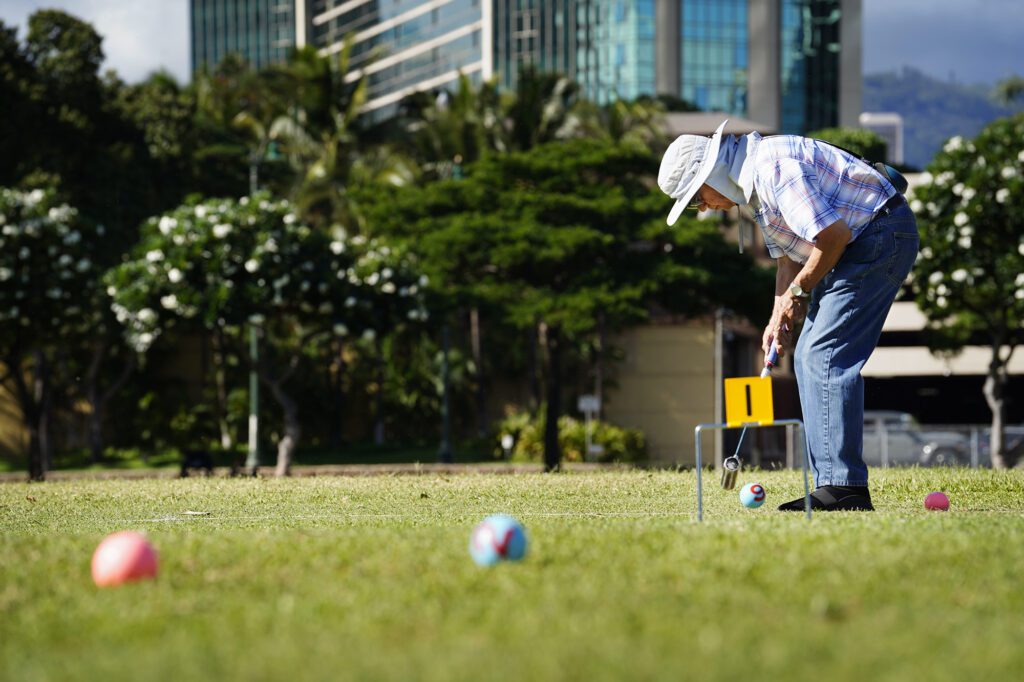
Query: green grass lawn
370	578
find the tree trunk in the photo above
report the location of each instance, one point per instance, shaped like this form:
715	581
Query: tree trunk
227	442
378	417
478	363
552	454
41	398
98	399
338	391
292	429
599	367
995	386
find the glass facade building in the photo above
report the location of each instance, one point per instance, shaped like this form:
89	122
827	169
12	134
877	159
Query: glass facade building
713	68
809	78
403	46
262	32
782	63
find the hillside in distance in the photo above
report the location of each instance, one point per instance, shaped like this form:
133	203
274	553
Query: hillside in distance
933	110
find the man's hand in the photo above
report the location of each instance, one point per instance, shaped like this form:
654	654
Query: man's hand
790	311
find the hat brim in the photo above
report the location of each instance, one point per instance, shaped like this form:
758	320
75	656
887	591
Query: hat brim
706	166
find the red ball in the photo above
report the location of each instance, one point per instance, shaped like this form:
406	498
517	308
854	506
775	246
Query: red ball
123	557
936	502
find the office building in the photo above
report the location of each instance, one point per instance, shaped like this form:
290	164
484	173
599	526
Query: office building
791	65
262	32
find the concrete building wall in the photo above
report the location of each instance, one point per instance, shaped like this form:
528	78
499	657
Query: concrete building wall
666	386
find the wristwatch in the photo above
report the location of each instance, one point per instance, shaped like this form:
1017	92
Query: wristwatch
798	291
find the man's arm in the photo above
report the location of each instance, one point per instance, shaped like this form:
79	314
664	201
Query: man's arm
829	245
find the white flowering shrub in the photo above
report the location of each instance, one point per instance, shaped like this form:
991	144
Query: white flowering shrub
48	282
222	262
970	211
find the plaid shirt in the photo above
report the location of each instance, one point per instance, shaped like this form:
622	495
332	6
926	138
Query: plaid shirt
804	186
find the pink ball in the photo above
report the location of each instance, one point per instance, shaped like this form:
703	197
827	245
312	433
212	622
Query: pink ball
123	557
936	502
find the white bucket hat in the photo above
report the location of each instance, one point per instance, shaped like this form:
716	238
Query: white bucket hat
687	163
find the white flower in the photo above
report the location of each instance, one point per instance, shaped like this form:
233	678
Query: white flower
980	162
325	308
413	314
1020	156
83	265
967	231
350	302
959	275
958	188
244	201
968	194
1019	295
424	280
24	253
3	219
955	143
154	256
964	242
6	274
941	301
34	197
146	316
1020	249
1020	280
340	330
935	277
933	209
289	218
388	288
252	265
65	260
270	246
1008	172
111	291
170	301
943	178
143	341
337	247
369	335
174	274
72	238
1002	195
222	230
960	219
916	206
201	211
373	279
167	224
178	239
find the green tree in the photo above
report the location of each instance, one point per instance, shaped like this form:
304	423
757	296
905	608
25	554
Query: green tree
564	237
50	304
968	279
865	143
223	264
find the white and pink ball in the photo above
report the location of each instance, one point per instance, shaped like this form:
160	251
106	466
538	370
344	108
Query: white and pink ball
123	557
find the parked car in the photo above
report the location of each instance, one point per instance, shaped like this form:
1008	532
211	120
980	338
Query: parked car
906	443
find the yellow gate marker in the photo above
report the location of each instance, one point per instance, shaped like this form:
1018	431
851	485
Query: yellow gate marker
748	400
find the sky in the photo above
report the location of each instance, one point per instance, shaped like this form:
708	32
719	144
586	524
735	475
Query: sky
970	41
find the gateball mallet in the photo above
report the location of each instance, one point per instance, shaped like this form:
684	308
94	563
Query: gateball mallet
731	465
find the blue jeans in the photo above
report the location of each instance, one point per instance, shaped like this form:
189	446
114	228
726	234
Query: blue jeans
844	320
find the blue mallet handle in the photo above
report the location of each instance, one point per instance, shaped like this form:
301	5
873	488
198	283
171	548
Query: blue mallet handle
770	360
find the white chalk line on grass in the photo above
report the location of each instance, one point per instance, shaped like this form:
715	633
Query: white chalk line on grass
324	517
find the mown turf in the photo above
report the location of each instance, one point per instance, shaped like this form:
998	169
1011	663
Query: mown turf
370	578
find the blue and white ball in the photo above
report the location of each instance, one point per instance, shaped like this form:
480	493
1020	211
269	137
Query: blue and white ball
752	495
498	537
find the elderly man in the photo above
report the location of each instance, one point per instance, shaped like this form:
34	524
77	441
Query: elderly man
844	240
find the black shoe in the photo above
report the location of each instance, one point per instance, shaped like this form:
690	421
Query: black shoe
834	498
